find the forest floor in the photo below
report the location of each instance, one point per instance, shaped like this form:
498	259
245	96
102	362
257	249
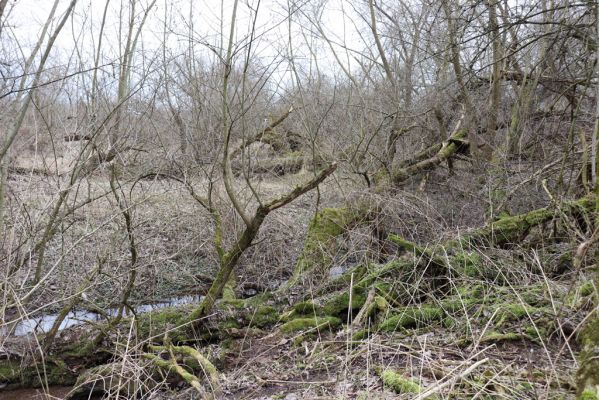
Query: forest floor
173	232
515	323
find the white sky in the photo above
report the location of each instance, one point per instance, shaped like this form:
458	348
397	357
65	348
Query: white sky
28	16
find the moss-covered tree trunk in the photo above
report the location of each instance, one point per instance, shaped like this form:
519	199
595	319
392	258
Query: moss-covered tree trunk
588	372
374	291
316	257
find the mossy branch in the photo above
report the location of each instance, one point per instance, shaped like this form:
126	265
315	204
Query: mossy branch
513	229
172	365
456	144
207	367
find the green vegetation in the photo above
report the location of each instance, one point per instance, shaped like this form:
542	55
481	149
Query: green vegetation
411	317
398	383
339	304
20	374
304	324
318	245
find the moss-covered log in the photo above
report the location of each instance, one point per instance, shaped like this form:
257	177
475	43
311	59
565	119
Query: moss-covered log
61	366
398	383
268	135
399	300
431	157
17	373
71	356
285	164
513	229
588	373
316	257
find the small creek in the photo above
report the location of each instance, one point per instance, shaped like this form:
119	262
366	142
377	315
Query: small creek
44	322
54	392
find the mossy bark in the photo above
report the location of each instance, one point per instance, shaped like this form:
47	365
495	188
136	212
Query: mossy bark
316	257
588	372
456	144
513	229
60	367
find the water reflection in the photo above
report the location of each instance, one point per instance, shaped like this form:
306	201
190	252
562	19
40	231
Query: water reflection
43	323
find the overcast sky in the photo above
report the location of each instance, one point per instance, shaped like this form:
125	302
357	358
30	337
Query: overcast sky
27	17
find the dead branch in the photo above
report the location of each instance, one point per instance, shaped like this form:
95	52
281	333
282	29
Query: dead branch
456	144
262	136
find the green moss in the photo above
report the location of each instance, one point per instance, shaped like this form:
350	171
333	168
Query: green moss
589	394
588	373
524	386
385	289
9	369
381	178
538	332
232	303
287	315
301	324
587	289
306	308
453	304
412	317
265	316
471	292
15	374
469	264
228	324
361	334
354	274
258	299
497	337
398	383
512	229
580	297
405	244
339	304
324	227
449	322
535	296
164	319
77	349
376	272
381	303
513	312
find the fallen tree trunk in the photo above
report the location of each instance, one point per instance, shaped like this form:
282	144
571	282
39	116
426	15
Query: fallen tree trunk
512	230
268	136
316	258
367	291
430	157
288	164
455	145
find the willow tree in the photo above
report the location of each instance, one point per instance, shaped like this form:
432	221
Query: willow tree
228	256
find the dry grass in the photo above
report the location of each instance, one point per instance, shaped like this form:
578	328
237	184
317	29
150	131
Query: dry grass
174	237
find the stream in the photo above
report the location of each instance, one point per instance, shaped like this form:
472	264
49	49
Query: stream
42	323
54	392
